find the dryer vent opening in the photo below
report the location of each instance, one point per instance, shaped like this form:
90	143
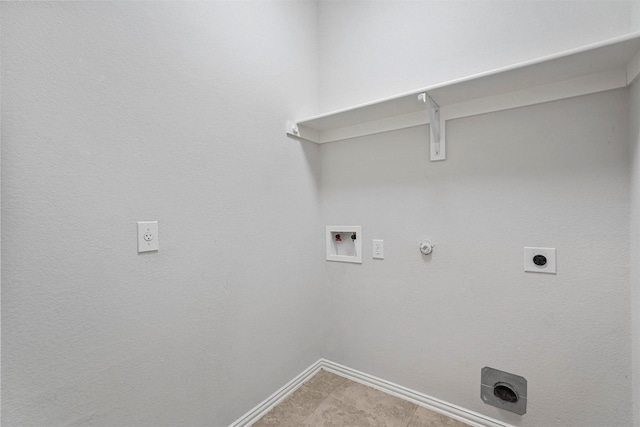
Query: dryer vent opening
504	390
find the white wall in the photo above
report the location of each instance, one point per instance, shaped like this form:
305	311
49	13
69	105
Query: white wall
635	14
370	50
118	112
114	112
512	179
548	175
634	114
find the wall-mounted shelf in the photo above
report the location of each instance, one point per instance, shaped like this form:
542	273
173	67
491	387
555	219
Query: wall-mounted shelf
594	68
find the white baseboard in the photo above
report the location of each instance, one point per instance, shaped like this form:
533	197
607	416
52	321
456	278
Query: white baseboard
436	405
265	406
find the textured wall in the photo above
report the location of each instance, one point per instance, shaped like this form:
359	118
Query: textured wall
634	114
114	112
370	50
518	178
117	112
549	175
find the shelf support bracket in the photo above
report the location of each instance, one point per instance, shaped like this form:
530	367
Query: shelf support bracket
292	129
436	125
301	132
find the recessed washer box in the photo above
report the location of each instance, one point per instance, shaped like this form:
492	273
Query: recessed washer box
344	243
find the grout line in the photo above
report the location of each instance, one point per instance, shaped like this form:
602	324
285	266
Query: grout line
368	411
315	409
328	396
314	388
412	415
444	408
447	409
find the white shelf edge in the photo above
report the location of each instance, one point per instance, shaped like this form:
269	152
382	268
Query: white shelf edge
417	118
493	72
570	88
536	95
520	97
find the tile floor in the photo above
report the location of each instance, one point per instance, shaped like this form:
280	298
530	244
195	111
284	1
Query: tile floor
329	400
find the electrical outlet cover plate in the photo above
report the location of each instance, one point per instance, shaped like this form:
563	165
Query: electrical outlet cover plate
148	236
547	255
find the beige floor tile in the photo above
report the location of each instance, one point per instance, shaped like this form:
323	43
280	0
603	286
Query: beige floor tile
293	410
426	418
391	410
334	413
327	382
329	400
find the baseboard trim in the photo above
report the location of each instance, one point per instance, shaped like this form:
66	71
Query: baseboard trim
265	406
437	405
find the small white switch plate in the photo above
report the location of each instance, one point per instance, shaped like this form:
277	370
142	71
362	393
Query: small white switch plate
378	249
540	260
148	236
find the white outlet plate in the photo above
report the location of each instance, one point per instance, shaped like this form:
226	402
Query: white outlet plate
148	236
378	249
548	253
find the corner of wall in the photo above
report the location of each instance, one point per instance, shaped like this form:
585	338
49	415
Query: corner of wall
634	132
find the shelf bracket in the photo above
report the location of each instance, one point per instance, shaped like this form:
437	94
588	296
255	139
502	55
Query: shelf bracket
300	132
437	128
292	129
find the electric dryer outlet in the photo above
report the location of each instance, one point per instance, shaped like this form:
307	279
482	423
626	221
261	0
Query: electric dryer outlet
540	260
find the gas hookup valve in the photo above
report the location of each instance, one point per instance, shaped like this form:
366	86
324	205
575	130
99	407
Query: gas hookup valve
426	247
